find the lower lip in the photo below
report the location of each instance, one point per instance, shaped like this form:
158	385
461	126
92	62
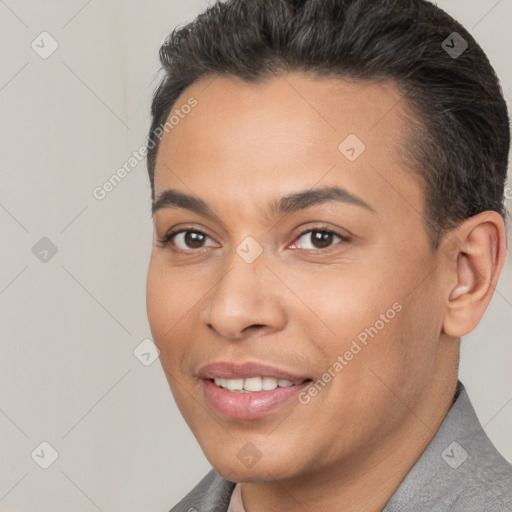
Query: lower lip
249	406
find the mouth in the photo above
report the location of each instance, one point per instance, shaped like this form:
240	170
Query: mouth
249	390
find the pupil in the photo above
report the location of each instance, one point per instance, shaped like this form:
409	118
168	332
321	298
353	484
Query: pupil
321	239
193	239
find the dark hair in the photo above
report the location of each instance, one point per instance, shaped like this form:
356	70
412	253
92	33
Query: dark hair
460	140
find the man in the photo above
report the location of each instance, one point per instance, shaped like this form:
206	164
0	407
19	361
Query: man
327	180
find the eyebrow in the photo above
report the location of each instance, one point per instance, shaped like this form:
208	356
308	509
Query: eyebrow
293	202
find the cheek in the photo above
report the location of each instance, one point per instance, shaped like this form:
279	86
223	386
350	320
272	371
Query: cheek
156	300
164	305
346	303
172	302
372	314
404	353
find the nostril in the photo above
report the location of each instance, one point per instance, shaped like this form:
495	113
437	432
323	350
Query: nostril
256	326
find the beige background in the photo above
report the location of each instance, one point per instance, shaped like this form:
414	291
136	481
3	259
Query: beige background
69	326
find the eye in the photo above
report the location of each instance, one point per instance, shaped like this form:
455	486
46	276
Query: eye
318	238
185	239
189	240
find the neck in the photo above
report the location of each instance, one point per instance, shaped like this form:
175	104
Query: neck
367	481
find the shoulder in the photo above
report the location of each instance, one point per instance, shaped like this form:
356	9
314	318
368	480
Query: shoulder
211	494
483	475
484	480
460	470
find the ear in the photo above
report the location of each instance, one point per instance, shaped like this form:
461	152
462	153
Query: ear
475	253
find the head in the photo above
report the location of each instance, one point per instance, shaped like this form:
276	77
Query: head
328	200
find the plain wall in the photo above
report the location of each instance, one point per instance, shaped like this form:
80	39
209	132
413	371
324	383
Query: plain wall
69	325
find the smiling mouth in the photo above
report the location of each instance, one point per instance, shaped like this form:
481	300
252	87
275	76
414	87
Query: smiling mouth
255	395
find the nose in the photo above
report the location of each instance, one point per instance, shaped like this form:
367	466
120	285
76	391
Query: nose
246	298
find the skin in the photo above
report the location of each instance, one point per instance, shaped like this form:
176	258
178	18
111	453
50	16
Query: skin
300	305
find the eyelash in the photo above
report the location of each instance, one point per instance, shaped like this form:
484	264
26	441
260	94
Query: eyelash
164	242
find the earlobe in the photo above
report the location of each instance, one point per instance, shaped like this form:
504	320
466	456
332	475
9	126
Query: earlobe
480	253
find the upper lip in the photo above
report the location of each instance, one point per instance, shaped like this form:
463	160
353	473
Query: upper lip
232	370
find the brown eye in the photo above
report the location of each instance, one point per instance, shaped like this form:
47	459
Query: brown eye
193	239
185	239
318	239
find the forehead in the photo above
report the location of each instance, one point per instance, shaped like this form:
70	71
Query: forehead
286	131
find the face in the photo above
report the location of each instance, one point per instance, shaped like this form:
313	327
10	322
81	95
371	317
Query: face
339	287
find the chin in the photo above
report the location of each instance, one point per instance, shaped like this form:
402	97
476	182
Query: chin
260	472
245	462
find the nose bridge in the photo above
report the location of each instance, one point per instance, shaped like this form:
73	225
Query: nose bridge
244	296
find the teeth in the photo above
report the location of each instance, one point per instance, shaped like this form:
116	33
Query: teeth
234	385
253	384
269	383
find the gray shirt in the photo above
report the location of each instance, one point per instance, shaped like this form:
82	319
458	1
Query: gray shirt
459	471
